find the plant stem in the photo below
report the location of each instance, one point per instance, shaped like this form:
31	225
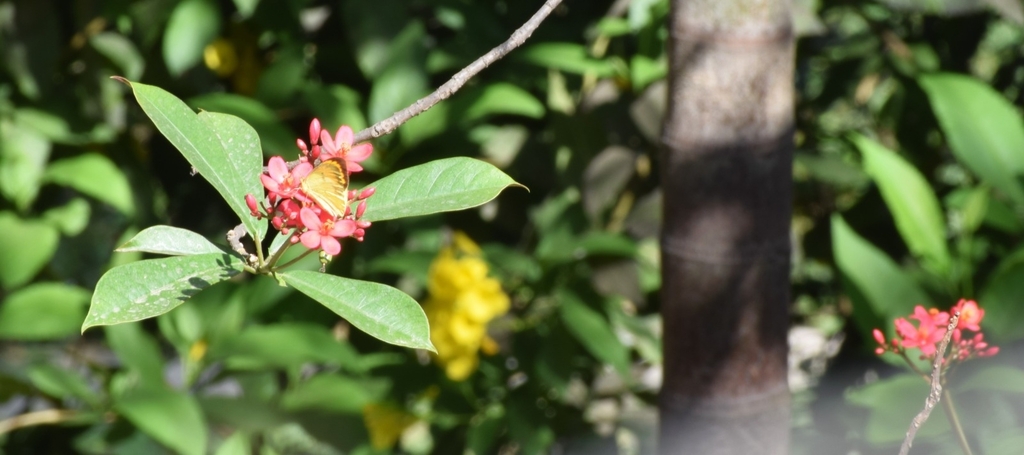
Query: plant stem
277	254
947	405
304	254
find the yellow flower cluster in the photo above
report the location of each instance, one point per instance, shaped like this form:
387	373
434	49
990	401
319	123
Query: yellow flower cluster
463	299
385	423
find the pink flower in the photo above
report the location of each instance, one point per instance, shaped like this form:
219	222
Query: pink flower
281	182
932	316
324	234
970	315
341	146
923	337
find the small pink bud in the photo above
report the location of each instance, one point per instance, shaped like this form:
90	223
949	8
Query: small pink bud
361	209
363	224
294	239
314	130
879	351
302	146
989	352
879	337
277	222
315	153
359	233
351	194
981	345
250	201
367	192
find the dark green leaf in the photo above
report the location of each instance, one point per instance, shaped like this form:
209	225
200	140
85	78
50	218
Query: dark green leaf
145	289
284	345
94	175
593	331
502	98
438	186
121	51
379	310
137	351
62	383
1001	298
43	311
169	240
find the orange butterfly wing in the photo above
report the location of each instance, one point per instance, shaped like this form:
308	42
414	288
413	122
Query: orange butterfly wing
327	185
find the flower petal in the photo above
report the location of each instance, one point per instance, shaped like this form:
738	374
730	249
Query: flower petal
330	245
359	152
310	239
343	138
310	220
277	168
343	228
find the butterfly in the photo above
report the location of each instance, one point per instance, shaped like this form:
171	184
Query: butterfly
327	185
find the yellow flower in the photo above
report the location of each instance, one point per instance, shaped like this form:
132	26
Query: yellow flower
385	424
463	300
220	57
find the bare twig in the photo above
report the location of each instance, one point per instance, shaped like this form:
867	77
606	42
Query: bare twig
936	391
48	416
389	124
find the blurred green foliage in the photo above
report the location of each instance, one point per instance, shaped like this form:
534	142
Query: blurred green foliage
910	148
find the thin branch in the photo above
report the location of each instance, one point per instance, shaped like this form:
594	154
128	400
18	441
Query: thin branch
48	416
389	124
936	391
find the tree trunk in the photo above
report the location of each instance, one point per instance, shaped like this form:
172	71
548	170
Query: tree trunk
726	175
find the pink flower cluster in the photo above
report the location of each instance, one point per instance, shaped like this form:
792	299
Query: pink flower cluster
931	327
292	211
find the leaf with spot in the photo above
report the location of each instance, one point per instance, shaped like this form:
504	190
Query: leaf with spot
145	289
169	240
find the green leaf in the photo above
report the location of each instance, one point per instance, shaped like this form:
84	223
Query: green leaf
71	218
23	155
94	175
379	310
62	383
169	240
43	311
145	289
236	444
875	283
1001	298
438	186
334	393
193	25
233	171
172	418
121	51
1000	378
503	99
568	57
284	345
26	246
274	136
593	331
984	130
892	404
913	204
137	351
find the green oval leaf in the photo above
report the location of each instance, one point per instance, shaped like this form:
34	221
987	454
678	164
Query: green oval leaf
94	175
169	240
121	51
984	130
26	246
594	332
145	289
568	57
193	25
172	418
880	290
438	186
502	98
914	206
228	155
43	311
381	311
23	155
63	383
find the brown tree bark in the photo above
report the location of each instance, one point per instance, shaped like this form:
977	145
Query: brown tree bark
726	175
